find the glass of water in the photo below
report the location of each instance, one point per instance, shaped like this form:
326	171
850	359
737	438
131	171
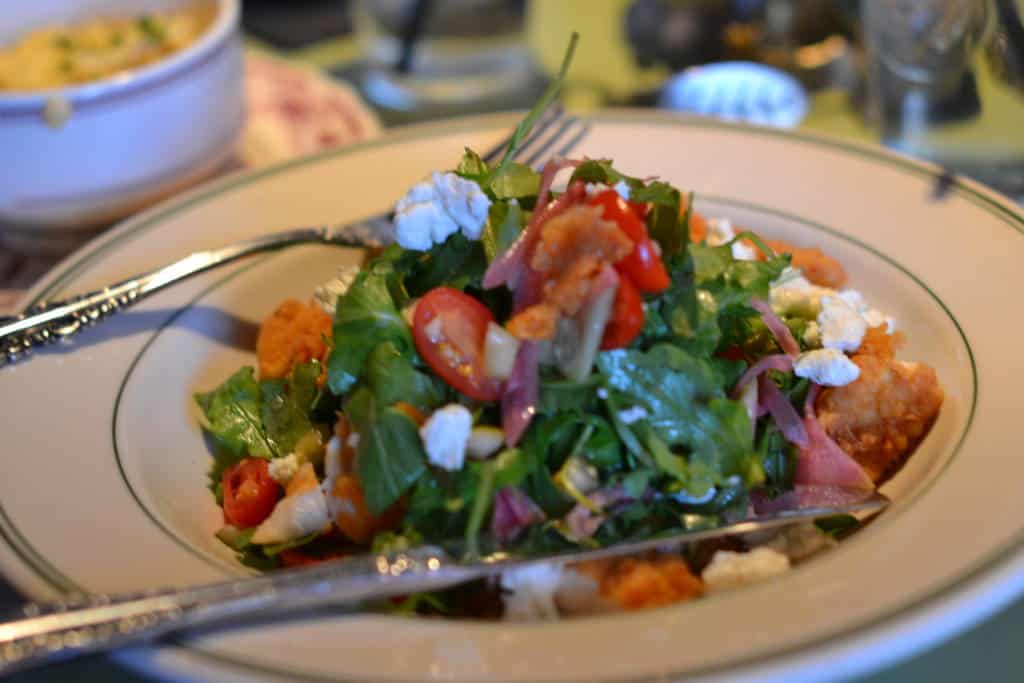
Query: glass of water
946	83
428	58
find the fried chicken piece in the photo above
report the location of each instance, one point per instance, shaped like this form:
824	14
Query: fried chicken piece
698	224
534	322
880	418
294	333
819	268
642	582
579	231
572	249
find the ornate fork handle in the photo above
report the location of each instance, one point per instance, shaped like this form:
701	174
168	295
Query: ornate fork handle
54	321
88	623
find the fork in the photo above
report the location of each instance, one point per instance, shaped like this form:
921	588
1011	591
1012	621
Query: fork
554	135
89	623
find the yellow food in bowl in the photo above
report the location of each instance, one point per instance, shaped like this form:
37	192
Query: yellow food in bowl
56	56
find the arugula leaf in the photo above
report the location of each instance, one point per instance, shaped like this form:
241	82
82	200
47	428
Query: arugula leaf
389	458
664	222
563	395
778	458
286	406
457	262
549	95
236	539
366	316
482	501
684	399
518	180
636	482
505	221
274	549
471	166
838	526
392	378
232	413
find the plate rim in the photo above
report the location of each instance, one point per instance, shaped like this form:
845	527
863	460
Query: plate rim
978	577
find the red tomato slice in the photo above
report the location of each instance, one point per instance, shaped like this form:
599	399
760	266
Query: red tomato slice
627	317
250	493
449	328
642	265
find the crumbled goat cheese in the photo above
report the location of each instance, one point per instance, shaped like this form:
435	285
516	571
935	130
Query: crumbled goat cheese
731	570
828	367
445	436
434	210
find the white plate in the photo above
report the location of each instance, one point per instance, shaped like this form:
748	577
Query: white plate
104	467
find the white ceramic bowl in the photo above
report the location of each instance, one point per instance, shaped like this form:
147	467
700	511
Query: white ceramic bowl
130	139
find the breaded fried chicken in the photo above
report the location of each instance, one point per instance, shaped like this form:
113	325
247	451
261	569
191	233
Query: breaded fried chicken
882	416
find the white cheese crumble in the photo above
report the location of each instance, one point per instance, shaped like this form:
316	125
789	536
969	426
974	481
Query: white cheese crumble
828	367
632	414
445	436
433	210
720	231
842	326
530	592
873	317
840	318
793	294
283	469
731	570
328	293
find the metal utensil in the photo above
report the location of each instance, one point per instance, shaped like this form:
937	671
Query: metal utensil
555	134
102	622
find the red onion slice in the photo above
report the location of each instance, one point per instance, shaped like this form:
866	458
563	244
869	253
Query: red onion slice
779	362
508	268
783	412
778	328
822	461
519	401
513	512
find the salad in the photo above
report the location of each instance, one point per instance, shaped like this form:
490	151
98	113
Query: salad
569	357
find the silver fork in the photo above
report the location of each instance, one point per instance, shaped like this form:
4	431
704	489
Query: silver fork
103	622
555	134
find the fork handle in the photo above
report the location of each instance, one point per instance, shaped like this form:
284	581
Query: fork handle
53	321
77	625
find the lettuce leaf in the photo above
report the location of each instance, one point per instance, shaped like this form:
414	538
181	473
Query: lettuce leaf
287	404
392	377
233	415
390	457
367	315
684	400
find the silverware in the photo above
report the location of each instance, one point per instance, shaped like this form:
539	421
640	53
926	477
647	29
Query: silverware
555	134
102	622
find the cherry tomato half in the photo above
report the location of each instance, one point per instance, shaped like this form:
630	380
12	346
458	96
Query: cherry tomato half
250	494
627	317
449	329
642	265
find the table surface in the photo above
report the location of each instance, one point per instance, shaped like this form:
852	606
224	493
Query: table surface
989	652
